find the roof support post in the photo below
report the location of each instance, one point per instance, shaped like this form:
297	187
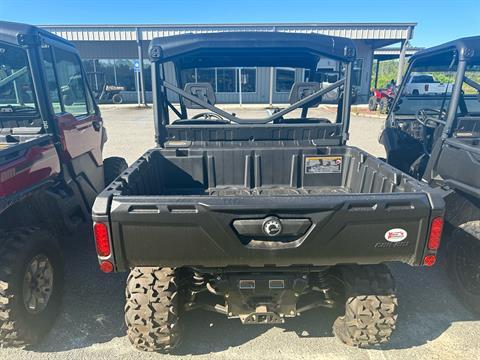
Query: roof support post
140	59
346	104
401	62
456	93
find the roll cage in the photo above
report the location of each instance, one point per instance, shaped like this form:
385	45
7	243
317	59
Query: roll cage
455	56
32	39
260	49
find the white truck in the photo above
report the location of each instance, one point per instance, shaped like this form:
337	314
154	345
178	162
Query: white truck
425	84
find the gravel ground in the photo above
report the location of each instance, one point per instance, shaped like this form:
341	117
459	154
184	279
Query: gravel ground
432	323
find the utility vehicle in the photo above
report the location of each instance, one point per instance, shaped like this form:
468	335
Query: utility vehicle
271	216
51	169
436	138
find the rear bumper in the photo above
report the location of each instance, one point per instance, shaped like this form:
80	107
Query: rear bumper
198	231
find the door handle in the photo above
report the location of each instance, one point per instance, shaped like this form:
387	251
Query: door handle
97	125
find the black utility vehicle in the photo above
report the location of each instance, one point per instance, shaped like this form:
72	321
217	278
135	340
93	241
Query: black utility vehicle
436	137
51	169
273	216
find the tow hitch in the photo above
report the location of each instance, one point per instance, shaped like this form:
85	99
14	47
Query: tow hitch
261	316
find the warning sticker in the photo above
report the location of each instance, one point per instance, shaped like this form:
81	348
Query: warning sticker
323	164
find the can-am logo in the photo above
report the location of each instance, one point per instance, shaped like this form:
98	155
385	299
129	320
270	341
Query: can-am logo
395	235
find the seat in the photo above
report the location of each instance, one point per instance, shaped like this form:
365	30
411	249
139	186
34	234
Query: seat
301	90
203	91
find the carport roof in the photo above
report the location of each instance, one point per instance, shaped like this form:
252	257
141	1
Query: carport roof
380	34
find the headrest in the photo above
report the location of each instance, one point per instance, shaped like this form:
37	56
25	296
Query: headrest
204	91
301	90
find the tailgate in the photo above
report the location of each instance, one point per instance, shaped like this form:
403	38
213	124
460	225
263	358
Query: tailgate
211	231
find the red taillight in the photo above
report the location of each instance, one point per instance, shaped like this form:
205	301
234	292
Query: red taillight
429	260
436	228
106	266
102	241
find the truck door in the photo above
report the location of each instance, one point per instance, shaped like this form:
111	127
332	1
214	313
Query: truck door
78	123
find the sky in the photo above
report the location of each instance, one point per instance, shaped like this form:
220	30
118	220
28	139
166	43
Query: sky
438	20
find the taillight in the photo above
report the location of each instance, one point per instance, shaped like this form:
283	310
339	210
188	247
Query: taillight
436	228
106	266
102	240
429	260
426	88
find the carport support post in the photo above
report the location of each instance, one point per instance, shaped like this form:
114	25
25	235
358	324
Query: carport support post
377	67
140	59
401	62
270	102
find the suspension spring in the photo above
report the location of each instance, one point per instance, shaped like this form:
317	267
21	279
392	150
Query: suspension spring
198	282
324	283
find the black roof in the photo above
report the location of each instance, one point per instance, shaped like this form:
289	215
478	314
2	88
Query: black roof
9	32
468	48
254	48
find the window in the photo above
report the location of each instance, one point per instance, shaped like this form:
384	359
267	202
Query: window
70	79
147	75
357	72
206	76
284	79
104	74
16	88
249	80
125	74
227	80
52	85
223	80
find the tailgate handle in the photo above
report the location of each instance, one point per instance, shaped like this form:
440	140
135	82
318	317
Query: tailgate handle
182	209
143	209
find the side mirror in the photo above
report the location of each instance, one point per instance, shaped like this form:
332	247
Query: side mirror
67	99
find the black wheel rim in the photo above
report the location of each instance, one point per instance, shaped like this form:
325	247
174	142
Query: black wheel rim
37	284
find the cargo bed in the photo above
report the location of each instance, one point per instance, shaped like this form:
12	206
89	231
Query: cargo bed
337	204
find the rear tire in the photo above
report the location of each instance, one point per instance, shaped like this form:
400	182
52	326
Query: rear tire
152	309
463	268
371	306
383	106
112	167
117	99
372	103
31	285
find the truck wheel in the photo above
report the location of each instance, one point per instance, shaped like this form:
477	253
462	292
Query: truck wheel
371	306
415	92
31	285
112	167
463	267
372	103
152	309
